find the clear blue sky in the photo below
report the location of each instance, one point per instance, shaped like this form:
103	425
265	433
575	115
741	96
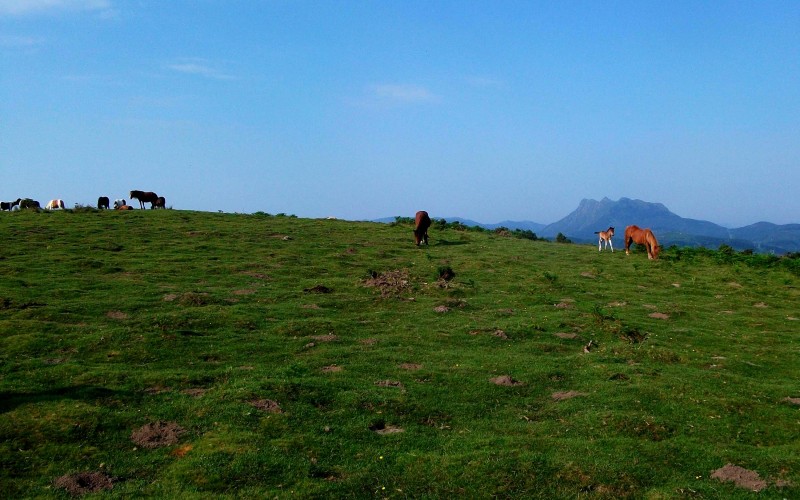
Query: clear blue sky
489	110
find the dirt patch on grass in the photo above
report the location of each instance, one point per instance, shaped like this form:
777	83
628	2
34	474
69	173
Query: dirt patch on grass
157	434
441	309
170	297
390	283
563	305
331	369
760	305
743	478
566	335
794	401
116	315
564	395
410	366
318	289
383	428
244	291
618	303
266	405
369	341
506	380
195	392
325	338
310	306
658	315
389	383
82	483
587	274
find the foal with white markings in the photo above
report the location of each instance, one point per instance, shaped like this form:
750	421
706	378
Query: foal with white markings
605	237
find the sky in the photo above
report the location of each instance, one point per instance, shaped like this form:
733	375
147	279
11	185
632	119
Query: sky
360	109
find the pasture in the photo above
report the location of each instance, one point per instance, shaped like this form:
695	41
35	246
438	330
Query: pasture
197	355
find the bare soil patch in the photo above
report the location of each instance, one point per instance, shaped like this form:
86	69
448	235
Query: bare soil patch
563	305
310	306
331	369
82	483
157	434
506	380
383	428
566	335
794	401
170	297
587	274
369	341
441	309
617	304
760	305
658	315
740	476
266	405
116	315
563	395
325	338
195	392
389	383
244	291
410	366
390	283
318	289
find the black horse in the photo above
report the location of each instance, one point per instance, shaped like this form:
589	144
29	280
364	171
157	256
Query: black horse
103	202
145	197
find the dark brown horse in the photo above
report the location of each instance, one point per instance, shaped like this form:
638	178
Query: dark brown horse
161	202
144	197
635	234
103	202
421	224
605	237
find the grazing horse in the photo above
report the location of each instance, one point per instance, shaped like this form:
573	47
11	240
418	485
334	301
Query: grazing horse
605	239
29	203
102	202
54	205
160	202
119	202
421	224
9	205
634	234
144	197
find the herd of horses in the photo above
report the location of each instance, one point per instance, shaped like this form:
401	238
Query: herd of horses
633	234
103	203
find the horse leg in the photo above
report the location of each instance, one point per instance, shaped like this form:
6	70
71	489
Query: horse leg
612	246
599	243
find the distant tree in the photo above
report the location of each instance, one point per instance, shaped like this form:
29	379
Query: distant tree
560	238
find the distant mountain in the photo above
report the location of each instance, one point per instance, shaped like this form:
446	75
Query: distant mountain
671	229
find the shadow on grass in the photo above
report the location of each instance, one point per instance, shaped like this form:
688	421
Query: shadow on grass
449	243
11	400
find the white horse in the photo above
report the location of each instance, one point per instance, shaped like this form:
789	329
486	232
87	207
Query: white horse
54	205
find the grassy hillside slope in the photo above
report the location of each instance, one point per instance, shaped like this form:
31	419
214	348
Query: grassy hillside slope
188	354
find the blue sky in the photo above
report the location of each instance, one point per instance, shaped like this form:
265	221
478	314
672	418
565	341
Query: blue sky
489	110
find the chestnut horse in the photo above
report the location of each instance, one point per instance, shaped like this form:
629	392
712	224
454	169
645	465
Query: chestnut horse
605	237
145	197
634	234
421	224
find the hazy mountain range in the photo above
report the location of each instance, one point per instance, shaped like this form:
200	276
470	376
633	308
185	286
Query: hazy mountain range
669	228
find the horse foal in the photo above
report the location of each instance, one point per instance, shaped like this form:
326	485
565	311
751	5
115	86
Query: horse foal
605	239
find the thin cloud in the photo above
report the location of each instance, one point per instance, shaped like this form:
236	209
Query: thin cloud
403	93
484	82
27	7
199	67
20	42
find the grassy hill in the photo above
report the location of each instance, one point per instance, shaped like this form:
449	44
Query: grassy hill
185	354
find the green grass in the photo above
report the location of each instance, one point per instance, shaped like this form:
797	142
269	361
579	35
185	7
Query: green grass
107	319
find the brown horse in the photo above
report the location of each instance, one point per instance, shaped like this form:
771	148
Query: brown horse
605	237
145	197
421	224
161	202
634	234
